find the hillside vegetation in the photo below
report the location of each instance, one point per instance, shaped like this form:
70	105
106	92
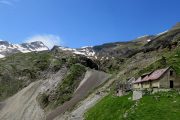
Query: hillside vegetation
64	90
19	70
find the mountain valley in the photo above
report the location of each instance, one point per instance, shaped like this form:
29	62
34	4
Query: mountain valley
72	84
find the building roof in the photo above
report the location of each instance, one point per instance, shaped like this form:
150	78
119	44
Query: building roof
131	80
155	75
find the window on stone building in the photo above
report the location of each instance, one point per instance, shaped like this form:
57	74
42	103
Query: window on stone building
171	73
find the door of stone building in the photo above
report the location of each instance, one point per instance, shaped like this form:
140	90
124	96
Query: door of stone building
171	84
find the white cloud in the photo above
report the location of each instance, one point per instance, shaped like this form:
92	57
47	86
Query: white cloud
48	40
8	2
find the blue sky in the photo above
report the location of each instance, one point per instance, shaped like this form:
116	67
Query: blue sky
76	23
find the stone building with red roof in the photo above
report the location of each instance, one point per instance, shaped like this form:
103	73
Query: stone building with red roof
161	78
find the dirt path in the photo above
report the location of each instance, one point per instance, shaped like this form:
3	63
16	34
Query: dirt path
92	80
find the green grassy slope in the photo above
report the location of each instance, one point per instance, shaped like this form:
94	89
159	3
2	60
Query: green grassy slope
109	108
159	106
164	106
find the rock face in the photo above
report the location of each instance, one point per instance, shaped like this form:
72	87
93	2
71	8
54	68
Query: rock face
7	48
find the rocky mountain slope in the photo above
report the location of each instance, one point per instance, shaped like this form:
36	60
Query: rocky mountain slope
129	48
108	50
7	48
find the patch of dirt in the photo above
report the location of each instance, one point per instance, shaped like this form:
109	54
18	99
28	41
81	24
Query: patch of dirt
78	112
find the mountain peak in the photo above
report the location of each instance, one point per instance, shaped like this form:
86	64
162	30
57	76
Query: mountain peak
7	48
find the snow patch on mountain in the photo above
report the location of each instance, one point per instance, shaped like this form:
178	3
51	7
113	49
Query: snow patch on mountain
7	48
149	40
86	51
86	47
142	36
162	33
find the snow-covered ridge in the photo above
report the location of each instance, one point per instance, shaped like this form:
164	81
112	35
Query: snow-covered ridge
162	33
7	48
142	36
86	51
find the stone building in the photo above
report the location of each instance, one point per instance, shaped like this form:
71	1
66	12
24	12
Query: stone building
123	87
161	78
